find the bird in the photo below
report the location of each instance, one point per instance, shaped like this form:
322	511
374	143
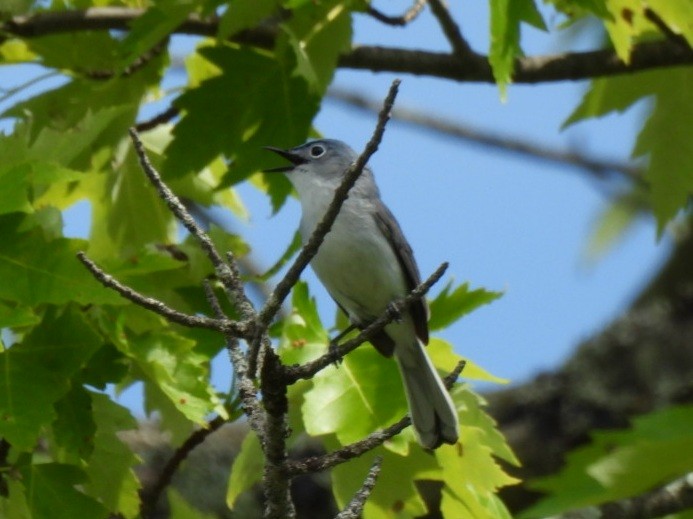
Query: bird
366	264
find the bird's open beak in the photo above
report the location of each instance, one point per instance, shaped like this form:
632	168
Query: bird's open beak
295	160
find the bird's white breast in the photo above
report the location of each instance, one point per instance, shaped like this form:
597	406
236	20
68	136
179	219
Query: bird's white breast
355	262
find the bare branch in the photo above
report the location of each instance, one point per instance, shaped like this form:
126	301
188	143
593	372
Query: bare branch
223	325
474	68
278	504
150	498
676	38
355	507
227	275
166	116
600	168
341	193
529	69
308	370
246	389
370	442
451	30
402	20
675	497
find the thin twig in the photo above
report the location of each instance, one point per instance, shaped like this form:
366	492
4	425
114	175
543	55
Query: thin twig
232	283
401	20
370	442
246	389
452	32
166	116
600	168
678	39
223	325
675	497
354	509
308	370
150	498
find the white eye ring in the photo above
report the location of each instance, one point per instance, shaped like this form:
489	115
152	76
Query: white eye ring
317	151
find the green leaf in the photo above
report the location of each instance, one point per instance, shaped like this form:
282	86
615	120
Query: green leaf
677	14
14	506
111	478
244	14
246	470
117	230
619	215
14	316
171	419
443	355
45	271
225	115
506	16
303	336
37	372
74	427
395	494
181	509
619	464
51	493
106	365
317	34
170	361
448	307
153	27
670	169
471	474
663	137
67	50
351	401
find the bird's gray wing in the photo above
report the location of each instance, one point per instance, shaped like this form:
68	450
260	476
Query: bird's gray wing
390	228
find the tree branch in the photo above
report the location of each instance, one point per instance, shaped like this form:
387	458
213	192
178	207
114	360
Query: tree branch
474	68
308	370
150	498
675	497
370	442
451	30
227	272
223	324
246	389
354	509
402	20
599	168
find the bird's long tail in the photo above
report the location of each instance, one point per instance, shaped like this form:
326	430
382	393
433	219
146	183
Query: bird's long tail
432	412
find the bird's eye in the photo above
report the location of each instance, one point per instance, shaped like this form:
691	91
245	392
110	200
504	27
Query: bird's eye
317	151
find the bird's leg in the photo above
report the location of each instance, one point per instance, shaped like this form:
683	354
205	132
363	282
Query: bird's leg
334	343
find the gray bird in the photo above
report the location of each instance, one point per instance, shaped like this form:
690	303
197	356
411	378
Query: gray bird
366	263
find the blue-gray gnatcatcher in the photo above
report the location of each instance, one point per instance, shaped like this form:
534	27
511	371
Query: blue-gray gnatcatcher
366	263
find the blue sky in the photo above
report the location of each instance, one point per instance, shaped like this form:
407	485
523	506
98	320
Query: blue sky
503	222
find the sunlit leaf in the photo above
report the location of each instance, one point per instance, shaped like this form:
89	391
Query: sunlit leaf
448	307
506	17
247	469
619	464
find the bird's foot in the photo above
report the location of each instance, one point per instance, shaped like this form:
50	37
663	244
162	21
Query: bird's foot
334	352
394	312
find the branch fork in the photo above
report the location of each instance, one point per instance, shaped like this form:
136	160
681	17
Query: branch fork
268	416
